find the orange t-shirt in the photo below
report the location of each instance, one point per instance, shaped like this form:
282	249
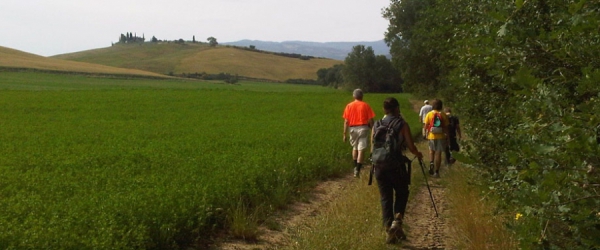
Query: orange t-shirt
358	113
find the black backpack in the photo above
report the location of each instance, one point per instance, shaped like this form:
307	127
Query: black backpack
452	121
386	147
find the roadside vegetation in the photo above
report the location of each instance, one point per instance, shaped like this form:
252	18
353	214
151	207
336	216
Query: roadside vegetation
475	221
523	77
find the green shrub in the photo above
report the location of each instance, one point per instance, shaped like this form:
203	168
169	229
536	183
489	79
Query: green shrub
523	76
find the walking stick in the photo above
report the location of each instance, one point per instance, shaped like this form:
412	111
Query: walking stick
426	182
371	172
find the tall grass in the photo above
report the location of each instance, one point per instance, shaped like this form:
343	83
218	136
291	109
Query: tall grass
473	221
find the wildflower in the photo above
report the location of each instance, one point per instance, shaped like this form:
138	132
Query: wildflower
518	216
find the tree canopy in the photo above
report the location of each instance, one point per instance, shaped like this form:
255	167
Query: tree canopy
524	77
362	69
212	41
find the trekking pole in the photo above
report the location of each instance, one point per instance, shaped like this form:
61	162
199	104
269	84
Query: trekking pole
371	172
426	182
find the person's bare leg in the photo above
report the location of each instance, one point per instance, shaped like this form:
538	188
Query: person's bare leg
359	157
355	155
438	160
431	155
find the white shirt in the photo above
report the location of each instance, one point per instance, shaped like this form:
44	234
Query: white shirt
424	110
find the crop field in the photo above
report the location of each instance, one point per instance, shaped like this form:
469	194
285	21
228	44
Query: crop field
152	164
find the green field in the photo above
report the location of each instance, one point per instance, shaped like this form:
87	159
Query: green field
152	164
43	81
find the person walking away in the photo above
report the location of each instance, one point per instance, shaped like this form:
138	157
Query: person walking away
454	135
358	119
436	123
391	173
422	113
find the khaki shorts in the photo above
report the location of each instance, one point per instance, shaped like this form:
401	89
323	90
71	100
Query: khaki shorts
437	145
359	137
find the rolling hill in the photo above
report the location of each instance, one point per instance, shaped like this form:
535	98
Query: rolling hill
334	50
173	58
15	59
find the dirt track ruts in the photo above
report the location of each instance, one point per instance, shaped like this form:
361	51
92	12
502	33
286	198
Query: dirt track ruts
425	230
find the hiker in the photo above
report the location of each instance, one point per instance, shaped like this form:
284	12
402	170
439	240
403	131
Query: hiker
422	113
436	124
358	119
454	135
393	176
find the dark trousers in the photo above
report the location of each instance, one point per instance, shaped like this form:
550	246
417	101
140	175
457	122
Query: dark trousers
453	146
393	189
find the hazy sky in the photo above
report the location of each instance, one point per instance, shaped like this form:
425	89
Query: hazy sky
51	27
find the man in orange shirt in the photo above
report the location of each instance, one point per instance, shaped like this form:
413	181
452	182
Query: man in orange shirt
358	120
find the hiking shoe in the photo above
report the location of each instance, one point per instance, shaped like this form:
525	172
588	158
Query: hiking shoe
431	168
356	172
452	160
391	237
395	232
394	235
437	174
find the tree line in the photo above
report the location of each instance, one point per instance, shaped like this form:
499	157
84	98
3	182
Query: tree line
130	37
362	69
524	76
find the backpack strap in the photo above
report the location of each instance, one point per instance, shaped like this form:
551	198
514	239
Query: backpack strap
394	125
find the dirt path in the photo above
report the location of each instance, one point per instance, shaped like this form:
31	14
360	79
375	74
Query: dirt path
424	229
291	218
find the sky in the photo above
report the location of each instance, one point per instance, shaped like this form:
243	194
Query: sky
52	27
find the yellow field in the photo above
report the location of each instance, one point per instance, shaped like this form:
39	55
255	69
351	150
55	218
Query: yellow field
164	58
252	64
11	58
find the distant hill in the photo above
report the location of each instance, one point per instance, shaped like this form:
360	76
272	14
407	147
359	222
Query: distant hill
191	58
333	50
15	59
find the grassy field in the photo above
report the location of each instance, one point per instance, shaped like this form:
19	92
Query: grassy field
197	58
152	164
43	81
10	58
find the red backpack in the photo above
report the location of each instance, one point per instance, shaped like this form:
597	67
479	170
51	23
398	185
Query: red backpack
435	126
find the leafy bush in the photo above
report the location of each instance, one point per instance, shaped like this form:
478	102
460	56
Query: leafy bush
524	77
